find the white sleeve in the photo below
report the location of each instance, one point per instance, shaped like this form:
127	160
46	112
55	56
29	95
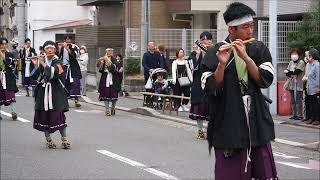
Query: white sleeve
85	60
174	72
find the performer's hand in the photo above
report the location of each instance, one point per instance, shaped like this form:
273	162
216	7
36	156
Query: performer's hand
101	59
198	51
34	60
65	45
240	48
60	69
224	56
41	61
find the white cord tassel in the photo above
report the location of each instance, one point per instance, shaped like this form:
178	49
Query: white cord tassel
3	80
247	102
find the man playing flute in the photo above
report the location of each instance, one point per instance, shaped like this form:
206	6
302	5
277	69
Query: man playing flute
240	127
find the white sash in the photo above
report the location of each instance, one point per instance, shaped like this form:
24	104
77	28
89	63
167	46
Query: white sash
69	71
47	102
109	79
27	69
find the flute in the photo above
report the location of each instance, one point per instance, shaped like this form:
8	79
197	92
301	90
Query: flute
201	46
63	43
231	45
41	55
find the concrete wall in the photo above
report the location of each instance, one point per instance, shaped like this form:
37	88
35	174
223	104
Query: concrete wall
201	21
160	17
111	15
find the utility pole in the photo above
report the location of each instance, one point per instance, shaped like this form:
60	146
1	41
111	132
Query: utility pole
21	21
273	50
145	28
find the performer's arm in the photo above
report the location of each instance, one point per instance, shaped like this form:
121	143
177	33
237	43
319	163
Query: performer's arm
53	72
251	65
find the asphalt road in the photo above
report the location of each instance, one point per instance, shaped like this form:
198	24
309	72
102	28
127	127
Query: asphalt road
126	146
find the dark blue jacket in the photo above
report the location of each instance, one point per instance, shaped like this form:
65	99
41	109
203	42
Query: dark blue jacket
151	61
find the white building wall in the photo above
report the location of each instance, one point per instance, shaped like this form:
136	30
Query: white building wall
42	36
41	14
289	6
218	6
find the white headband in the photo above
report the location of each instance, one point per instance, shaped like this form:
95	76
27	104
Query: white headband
239	21
49	46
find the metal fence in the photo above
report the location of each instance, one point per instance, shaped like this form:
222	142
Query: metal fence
170	38
284	27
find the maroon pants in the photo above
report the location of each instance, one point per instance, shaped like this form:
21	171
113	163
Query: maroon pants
260	167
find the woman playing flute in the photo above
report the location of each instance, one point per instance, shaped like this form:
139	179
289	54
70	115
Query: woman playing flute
50	96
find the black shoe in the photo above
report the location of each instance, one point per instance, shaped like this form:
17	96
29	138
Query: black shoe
293	117
298	118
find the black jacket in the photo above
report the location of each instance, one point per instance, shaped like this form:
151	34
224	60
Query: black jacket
116	75
32	52
59	95
9	71
74	65
197	94
228	125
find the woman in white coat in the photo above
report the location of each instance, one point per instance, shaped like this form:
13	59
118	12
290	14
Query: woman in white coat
83	63
182	79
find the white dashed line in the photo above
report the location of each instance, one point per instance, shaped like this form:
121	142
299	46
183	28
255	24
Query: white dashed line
19	118
137	165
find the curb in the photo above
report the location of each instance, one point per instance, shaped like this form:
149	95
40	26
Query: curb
145	111
301	125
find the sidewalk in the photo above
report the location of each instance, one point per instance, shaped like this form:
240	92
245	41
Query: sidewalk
289	132
135	100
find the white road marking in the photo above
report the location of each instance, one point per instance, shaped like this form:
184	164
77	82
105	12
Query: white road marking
279	154
292	143
137	164
19	118
91	111
293	165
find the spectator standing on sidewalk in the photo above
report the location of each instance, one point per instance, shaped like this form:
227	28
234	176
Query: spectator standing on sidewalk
119	69
151	60
313	87
181	79
83	61
307	103
294	84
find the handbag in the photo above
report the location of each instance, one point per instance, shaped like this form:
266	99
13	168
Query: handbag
184	81
149	83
